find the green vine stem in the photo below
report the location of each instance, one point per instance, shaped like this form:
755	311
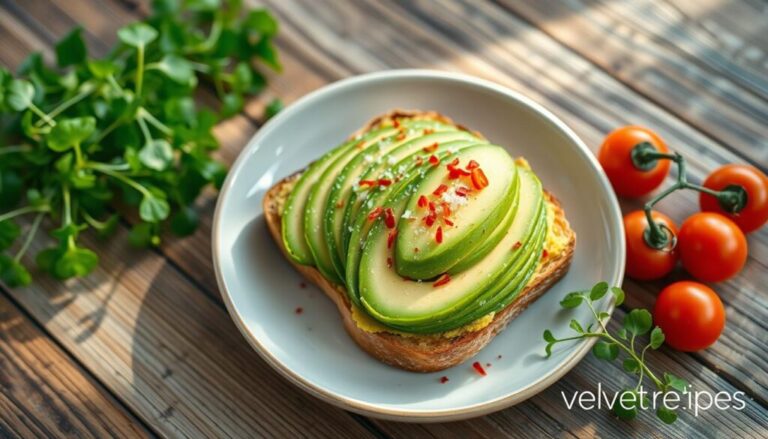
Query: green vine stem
732	198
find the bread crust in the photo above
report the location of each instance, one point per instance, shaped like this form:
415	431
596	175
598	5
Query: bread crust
424	353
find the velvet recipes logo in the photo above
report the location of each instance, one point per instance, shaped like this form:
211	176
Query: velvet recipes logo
693	401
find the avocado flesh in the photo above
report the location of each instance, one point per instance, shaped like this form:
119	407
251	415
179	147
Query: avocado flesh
397	155
414	306
362	226
376	162
474	221
292	222
315	204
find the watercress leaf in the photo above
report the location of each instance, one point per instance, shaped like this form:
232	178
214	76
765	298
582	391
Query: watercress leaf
605	350
621	333
64	164
631	365
676	383
602	315
108	227
548	349
231	104
262	22
618	294
668	416
11	186
626	404
137	34
203	5
274	107
71	49
598	291
141	235
13	273
548	336
46	259
177	69
70	132
657	337
265	50
153	209
19	94
165	7
638	321
180	110
75	262
572	300
576	326
82	179
185	221
213	171
241	77
101	68
9	231
156	154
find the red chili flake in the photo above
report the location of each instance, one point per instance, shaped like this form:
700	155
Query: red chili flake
517	245
302	285
423	201
446	209
454	163
367	182
375	213
389	218
544	254
428	131
431	148
340	204
479	180
389	262
395	123
479	368
430	219
434	160
360	144
400	136
391	237
448	222
442	280
299	310
455	173
472	165
419	160
440	190
431	206
439	235
443	379
462	191
384	182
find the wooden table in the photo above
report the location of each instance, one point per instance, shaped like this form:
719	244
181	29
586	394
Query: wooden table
144	346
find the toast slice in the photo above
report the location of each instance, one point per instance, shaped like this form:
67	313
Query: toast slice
433	352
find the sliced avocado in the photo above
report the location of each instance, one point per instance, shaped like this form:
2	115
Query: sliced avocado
316	202
293	214
368	162
412	305
419	253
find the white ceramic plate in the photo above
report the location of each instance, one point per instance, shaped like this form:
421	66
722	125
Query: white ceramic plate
311	349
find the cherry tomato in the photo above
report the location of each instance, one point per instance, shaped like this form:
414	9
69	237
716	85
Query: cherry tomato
643	261
755	213
616	159
711	247
690	314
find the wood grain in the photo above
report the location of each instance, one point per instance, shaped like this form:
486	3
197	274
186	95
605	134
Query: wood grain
704	61
43	393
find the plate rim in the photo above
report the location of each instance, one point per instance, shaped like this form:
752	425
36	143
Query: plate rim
375	410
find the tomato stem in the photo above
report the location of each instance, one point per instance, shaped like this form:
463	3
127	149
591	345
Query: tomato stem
644	156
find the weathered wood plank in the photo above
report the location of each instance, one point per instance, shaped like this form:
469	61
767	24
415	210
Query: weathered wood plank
706	65
43	393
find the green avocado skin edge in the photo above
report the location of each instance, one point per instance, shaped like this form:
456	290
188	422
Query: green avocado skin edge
355	215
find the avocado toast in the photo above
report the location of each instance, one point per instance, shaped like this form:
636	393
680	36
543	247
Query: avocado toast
428	238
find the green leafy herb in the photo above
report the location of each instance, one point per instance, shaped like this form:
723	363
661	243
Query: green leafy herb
637	322
77	137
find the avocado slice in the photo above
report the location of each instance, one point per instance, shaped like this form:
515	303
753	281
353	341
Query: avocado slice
293	215
318	196
376	163
415	306
419	254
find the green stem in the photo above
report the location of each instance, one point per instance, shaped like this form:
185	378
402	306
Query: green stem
144	129
22	211
127	180
140	71
642	361
30	236
42	115
88	89
144	114
14	149
79	161
67	205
